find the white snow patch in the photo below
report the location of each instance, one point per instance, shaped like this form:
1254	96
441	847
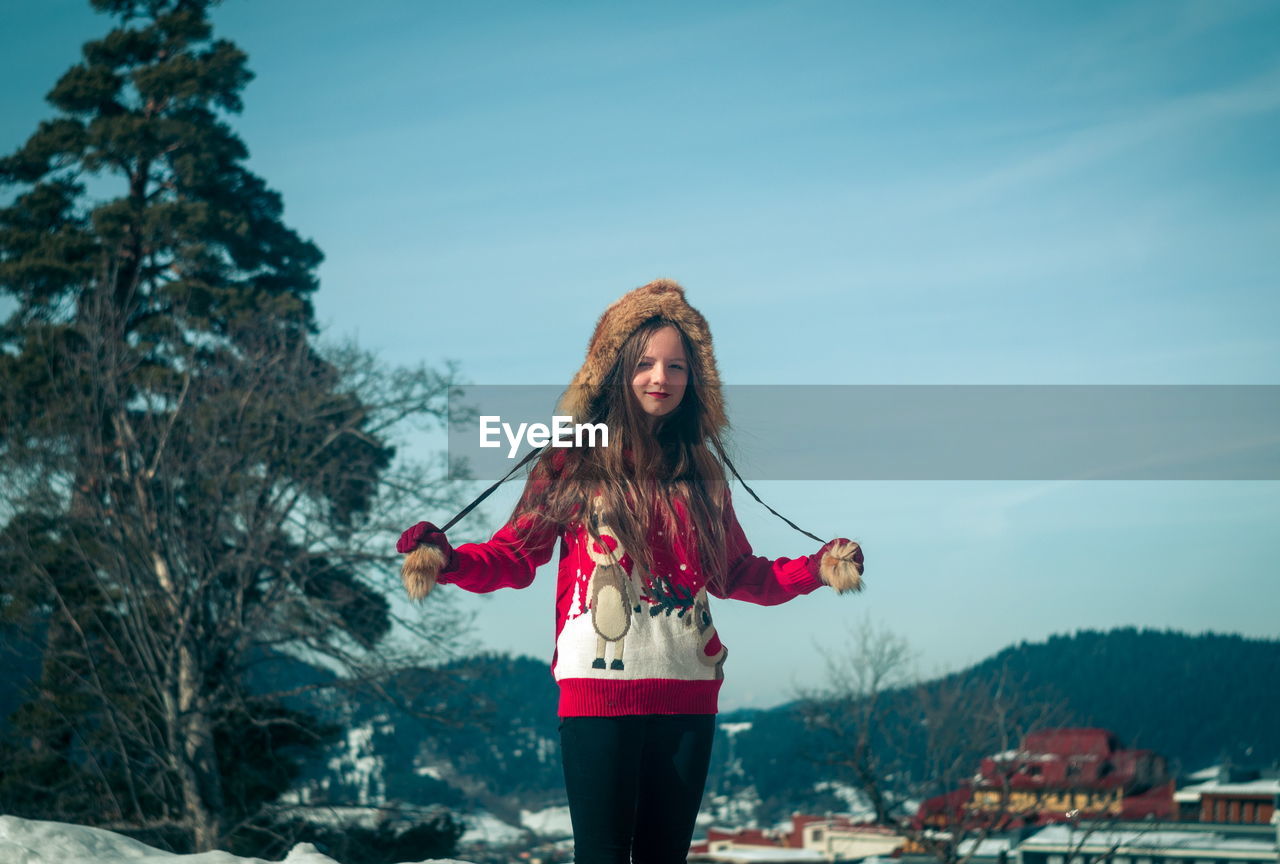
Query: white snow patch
738	808
991	847
781	853
1265	786
29	841
550	822
341	815
859	807
1166	837
484	827
360	764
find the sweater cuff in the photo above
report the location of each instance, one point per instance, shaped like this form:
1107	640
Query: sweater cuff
450	568
806	580
814	570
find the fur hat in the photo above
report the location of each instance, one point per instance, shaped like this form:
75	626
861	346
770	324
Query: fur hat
661	298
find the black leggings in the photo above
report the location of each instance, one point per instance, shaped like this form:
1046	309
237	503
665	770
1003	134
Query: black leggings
635	784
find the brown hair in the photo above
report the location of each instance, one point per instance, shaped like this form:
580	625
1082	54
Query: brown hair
672	462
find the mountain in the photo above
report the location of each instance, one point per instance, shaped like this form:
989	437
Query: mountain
479	732
1196	699
479	735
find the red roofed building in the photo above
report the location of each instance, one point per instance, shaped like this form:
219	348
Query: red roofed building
824	836
1227	794
942	811
1059	774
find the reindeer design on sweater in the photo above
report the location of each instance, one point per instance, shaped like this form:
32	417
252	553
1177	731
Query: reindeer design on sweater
611	593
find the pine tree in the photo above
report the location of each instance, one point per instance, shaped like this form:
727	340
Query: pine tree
192	485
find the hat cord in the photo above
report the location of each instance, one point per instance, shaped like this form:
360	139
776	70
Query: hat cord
486	493
534	453
728	463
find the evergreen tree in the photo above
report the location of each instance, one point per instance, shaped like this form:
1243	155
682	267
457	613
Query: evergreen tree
191	483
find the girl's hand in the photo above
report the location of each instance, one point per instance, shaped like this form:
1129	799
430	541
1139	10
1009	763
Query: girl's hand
428	552
841	565
423	532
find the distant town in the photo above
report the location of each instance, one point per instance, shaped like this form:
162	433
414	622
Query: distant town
1064	796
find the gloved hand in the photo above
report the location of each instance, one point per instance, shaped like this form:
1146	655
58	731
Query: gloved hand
841	565
423	532
427	552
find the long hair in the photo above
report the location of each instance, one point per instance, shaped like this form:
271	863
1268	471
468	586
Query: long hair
643	470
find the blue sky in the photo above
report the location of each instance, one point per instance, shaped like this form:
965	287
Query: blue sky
852	193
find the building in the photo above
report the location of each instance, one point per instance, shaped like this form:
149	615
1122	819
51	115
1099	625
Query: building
1230	795
1059	774
991	849
810	838
1146	843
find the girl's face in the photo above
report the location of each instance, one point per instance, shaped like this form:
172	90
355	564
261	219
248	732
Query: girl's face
662	374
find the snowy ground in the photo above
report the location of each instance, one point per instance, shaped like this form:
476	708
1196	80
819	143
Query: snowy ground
484	827
552	823
26	841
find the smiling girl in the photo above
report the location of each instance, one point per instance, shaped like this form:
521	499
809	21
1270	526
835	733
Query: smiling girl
647	531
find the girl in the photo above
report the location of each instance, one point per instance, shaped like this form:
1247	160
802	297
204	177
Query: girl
647	531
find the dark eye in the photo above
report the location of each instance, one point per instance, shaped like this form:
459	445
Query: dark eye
706	619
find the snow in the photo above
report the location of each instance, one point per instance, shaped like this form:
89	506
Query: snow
1192	794
1157	838
737	809
990	847
484	827
1188	795
1265	786
29	841
340	815
552	822
778	854
735	728
1025	756
360	763
859	808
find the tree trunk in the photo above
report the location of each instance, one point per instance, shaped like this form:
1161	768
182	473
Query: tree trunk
192	732
192	756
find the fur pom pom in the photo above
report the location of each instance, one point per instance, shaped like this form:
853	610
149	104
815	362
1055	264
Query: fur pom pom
839	567
420	570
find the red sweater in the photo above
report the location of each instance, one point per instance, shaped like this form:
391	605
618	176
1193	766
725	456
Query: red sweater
631	642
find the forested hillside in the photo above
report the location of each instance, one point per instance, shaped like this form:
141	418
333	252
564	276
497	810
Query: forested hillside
1194	699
